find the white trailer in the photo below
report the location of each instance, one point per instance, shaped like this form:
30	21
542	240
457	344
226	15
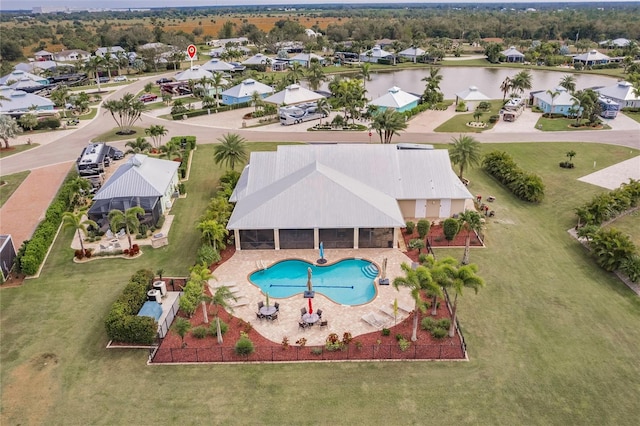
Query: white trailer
295	114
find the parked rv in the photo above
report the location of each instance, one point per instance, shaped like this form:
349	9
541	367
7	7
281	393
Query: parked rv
295	114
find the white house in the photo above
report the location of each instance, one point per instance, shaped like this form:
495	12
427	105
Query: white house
71	55
293	94
300	195
18	101
471	97
593	57
396	99
621	93
513	55
412	53
374	55
113	50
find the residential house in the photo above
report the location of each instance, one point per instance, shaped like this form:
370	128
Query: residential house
71	55
621	93
237	41
396	99
615	43
300	195
142	181
43	55
305	59
412	53
593	57
513	55
16	102
471	97
216	65
113	50
18	75
375	54
293	94
555	101
244	91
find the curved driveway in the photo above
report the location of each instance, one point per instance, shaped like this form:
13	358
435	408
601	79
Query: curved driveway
69	146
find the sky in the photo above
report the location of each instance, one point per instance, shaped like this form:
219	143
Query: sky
114	4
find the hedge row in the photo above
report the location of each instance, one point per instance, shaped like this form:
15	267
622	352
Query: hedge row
205	111
32	254
122	322
524	185
609	205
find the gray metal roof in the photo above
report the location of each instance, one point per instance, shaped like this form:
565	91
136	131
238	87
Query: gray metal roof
394	98
247	88
322	186
141	176
293	94
621	91
18	100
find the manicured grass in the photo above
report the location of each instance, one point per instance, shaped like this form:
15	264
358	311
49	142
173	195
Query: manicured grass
563	124
634	115
112	135
17	148
458	123
88	116
12	183
552	338
630	225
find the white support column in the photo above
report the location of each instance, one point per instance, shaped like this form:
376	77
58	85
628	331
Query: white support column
236	236
316	238
276	238
356	238
396	232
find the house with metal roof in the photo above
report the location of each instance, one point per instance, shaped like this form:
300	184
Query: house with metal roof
244	91
615	43
17	75
555	101
113	50
19	101
40	66
412	53
513	55
142	181
622	92
216	65
396	99
471	97
71	55
300	195
258	59
374	55
293	94
43	55
194	73
305	59
592	57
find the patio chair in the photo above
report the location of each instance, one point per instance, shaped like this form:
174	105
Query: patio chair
323	323
260	304
103	248
407	308
303	311
273	317
319	312
117	245
389	311
277	306
109	234
303	325
259	316
121	233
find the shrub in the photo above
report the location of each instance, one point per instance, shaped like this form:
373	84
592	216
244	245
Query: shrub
399	337
524	185
444	323
410	227
213	328
428	323
207	255
631	267
423	227
404	344
439	333
386	332
199	332
244	346
416	243
494	118
450	227
301	342
49	123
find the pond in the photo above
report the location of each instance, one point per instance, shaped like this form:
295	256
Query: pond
487	80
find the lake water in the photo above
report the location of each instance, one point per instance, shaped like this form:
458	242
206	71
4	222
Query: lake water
487	80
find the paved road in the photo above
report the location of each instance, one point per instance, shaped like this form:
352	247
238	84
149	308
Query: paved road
68	147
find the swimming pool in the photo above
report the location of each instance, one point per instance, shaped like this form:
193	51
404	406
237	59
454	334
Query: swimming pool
348	282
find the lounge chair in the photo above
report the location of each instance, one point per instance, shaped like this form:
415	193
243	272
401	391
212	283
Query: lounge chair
103	248
121	233
407	308
389	311
374	320
241	301
303	311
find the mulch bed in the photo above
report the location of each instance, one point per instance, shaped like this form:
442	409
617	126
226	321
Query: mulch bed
436	239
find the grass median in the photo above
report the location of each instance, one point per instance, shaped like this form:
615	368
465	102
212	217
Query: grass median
552	338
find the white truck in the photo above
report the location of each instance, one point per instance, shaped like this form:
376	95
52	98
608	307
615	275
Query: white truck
295	114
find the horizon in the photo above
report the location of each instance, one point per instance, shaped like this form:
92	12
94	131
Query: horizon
28	5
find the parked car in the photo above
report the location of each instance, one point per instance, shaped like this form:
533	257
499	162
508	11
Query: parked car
148	97
163	80
117	154
103	79
120	78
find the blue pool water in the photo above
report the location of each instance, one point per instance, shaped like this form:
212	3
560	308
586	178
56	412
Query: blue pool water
348	282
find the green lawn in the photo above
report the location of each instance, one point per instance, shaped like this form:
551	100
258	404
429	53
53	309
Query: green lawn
563	124
112	135
630	225
458	123
17	148
12	183
552	339
634	115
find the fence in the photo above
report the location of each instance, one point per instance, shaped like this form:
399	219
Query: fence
458	329
350	352
163	328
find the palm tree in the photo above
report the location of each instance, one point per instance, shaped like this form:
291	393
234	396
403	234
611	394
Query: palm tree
79	188
127	220
388	123
432	93
213	233
200	274
315	75
554	94
156	132
74	220
323	108
505	87
416	280
217	82
231	150
295	73
470	221
59	97
460	278
93	66
138	146
569	83
465	152
171	149
521	82
181	326
125	111
256	100
220	300
365	73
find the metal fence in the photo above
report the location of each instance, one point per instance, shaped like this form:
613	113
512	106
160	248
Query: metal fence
350	352
163	328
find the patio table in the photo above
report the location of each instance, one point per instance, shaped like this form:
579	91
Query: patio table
310	318
268	310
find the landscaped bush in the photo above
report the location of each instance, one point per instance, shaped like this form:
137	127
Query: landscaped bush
410	227
48	123
244	346
213	328
207	255
122	322
607	206
423	227
191	297
199	332
494	118
450	228
36	248
524	185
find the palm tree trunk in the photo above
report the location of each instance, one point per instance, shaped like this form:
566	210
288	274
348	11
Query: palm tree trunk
204	312
434	306
218	332
81	243
129	238
452	327
414	334
467	244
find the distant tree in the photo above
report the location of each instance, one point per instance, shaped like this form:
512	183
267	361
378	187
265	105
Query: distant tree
28	121
315	75
471	222
505	87
9	129
521	82
569	83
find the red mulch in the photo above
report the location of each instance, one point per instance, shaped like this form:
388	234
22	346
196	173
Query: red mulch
436	239
13	280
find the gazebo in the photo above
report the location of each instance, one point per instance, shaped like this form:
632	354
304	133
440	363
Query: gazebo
472	96
293	94
513	55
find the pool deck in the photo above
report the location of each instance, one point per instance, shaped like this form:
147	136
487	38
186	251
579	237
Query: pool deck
341	318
